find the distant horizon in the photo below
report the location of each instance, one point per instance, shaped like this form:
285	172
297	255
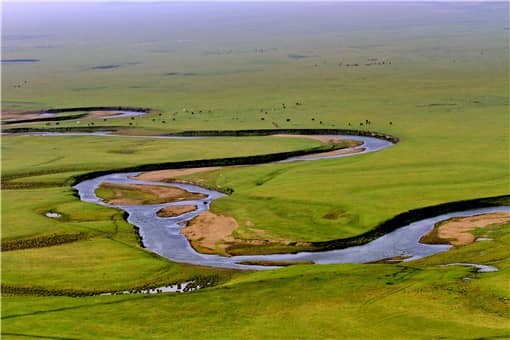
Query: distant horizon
246	1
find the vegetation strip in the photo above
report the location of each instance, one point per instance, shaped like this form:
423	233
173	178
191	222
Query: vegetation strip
46	119
87	109
244	160
194	283
98	108
42	241
268	132
409	217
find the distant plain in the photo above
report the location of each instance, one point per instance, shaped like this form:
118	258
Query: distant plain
442	89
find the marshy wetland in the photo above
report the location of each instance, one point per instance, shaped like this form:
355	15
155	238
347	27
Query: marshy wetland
401	237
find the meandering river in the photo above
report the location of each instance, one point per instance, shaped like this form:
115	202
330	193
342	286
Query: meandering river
163	236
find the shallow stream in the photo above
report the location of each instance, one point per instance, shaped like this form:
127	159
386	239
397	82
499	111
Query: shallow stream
163	236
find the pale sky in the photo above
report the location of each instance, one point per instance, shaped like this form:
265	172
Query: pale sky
148	1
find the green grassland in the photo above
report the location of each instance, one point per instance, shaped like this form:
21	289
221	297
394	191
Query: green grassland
53	155
445	92
418	300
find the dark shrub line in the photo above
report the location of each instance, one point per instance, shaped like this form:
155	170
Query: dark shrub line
244	160
72	117
105	128
98	108
199	281
45	119
268	132
42	241
28	185
136	229
411	216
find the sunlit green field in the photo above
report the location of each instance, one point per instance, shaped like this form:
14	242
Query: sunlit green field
420	301
444	88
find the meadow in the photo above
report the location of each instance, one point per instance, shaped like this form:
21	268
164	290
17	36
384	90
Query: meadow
443	90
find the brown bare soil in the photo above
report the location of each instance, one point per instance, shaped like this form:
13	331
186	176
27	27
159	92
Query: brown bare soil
136	194
208	229
455	231
212	234
324	139
20	114
101	114
161	175
175	210
335	153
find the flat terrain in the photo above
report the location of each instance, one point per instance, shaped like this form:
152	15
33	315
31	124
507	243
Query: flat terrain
435	75
420	300
135	194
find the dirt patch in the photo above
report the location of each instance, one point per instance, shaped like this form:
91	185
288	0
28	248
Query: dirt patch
324	139
162	175
20	114
101	114
335	153
349	145
175	210
212	234
138	194
455	231
208	229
